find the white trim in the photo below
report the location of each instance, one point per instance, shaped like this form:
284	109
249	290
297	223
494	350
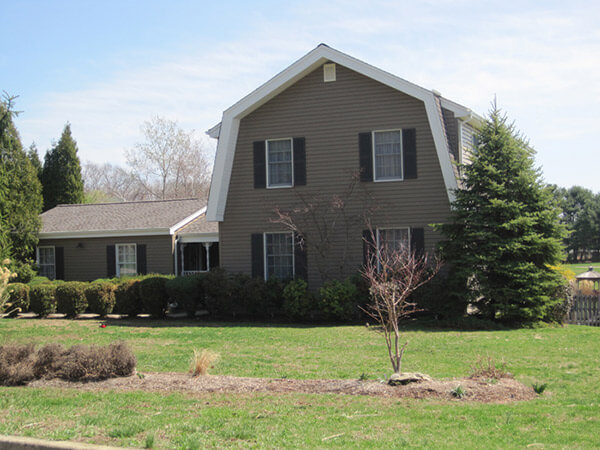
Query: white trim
188	238
401	178
117	269
265	267
187	220
102	234
37	256
320	55
215	131
267	162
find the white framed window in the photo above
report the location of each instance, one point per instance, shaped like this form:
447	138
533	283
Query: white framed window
392	239
279	255
46	261
126	255
280	165
387	155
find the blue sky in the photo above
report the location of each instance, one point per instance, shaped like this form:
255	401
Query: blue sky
108	66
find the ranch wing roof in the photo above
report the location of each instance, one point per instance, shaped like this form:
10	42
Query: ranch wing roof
162	216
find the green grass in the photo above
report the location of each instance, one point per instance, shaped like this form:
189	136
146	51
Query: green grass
566	415
581	267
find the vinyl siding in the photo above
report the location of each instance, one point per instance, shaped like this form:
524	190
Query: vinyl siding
330	116
467	135
89	262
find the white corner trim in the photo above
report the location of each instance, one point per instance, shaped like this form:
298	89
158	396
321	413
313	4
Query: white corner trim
212	236
231	117
187	220
215	131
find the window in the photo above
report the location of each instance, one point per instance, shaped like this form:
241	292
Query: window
279	163
392	239
279	255
387	155
126	259
46	262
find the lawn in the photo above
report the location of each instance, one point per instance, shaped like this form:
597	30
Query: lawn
581	267
566	415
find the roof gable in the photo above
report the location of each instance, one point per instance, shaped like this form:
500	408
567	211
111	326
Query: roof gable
227	130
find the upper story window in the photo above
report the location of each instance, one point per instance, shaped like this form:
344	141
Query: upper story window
279	163
46	262
126	255
387	155
279	255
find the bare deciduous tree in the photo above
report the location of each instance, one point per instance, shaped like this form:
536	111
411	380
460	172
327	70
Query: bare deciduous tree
393	275
170	163
108	181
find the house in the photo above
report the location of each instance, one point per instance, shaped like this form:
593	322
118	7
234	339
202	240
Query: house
302	135
91	241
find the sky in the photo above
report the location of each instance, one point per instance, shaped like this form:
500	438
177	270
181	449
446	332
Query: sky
107	66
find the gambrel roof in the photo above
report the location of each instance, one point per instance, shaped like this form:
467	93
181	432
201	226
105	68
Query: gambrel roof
227	130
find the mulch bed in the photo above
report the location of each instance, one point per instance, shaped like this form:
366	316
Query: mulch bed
504	390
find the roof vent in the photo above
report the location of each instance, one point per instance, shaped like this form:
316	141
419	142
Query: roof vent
328	72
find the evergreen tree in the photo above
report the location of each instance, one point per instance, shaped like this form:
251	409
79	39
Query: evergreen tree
504	232
61	177
34	157
20	193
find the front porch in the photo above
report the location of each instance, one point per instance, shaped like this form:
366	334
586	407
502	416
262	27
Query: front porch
196	254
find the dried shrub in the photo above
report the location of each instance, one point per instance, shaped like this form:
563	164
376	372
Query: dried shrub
42	299
101	297
203	361
20	364
18	297
486	368
16	364
70	298
127	298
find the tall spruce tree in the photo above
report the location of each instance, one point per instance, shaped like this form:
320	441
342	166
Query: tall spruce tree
61	175
504	232
20	193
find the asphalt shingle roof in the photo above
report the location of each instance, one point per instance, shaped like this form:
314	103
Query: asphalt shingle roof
141	215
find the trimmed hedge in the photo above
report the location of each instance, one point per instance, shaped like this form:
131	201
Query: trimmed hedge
187	292
42	299
18	297
70	298
101	297
127	298
298	302
339	300
153	295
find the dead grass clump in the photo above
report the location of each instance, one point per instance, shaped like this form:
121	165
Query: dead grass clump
486	368
203	361
20	364
16	364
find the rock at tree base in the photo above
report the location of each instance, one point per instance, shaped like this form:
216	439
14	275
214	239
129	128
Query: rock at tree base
398	379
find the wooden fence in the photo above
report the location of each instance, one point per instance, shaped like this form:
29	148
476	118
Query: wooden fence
585	310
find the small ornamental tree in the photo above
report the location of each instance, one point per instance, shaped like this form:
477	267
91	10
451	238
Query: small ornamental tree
504	231
393	274
61	175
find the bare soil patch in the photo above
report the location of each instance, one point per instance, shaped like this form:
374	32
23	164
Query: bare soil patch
504	390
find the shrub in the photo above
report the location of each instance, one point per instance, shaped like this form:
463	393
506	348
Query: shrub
187	291
20	364
127	298
70	298
101	297
153	295
18	297
217	292
559	312
439	298
39	280
488	369
202	362
263	299
25	271
42	299
339	300
298	302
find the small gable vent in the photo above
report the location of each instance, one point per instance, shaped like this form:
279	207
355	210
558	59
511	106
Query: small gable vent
328	73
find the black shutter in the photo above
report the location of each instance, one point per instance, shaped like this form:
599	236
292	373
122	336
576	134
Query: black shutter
417	241
365	156
260	168
111	262
300	259
299	162
409	152
141	259
59	262
258	256
369	246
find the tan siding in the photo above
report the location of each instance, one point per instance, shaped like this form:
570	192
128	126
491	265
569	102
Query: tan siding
89	262
330	116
